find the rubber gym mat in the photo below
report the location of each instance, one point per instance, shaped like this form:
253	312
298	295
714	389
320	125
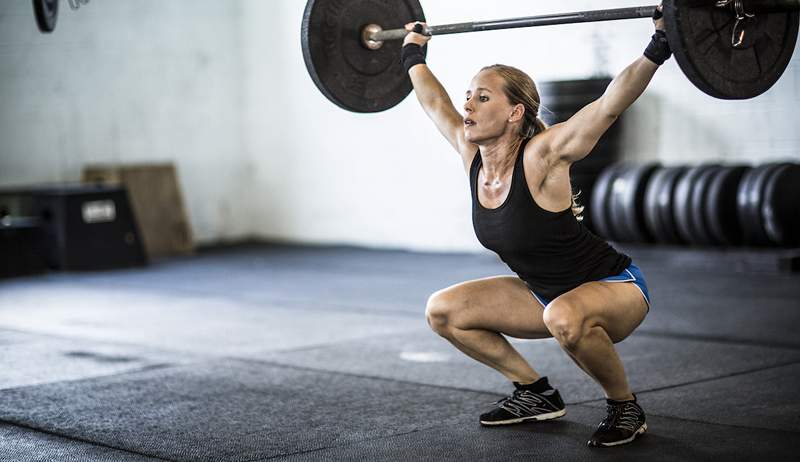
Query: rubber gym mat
667	439
19	444
232	409
764	399
32	359
424	357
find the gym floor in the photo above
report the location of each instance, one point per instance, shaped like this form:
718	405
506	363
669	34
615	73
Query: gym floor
264	352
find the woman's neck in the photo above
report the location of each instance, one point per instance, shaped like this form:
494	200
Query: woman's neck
498	157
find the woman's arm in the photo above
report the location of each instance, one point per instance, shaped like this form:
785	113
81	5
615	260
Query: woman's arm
574	139
437	104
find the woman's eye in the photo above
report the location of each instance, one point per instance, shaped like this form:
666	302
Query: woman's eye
483	99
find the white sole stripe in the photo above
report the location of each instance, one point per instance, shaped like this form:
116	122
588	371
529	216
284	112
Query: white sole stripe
548	416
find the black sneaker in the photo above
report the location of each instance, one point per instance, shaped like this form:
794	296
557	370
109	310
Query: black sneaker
524	405
623	423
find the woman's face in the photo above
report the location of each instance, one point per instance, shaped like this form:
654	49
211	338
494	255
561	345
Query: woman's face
487	112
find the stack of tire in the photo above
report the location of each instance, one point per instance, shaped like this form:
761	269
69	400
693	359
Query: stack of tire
699	205
563	98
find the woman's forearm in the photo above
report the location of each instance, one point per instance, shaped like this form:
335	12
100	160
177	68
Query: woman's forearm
627	86
427	87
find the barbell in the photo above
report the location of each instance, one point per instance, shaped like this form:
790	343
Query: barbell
729	49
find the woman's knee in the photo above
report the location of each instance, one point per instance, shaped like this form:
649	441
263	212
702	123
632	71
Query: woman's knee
439	312
565	322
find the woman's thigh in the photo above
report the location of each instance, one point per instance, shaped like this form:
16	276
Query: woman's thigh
499	304
617	307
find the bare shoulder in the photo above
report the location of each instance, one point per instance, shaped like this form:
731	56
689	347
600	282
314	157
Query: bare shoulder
541	155
553	140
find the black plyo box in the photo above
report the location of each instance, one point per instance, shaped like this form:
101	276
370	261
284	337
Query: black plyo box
88	228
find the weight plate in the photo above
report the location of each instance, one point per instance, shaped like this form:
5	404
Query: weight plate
780	209
601	194
700	229
754	197
658	204
666	203
346	72
721	213
46	12
627	203
700	36
741	204
616	220
682	204
748	204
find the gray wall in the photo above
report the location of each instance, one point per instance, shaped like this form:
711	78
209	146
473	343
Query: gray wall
129	81
220	88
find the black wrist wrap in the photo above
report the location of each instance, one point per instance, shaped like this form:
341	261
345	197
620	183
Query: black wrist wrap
658	49
411	55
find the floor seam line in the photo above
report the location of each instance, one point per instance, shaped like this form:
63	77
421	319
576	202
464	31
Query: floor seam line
721	377
351	443
116	374
80	440
728	340
362	376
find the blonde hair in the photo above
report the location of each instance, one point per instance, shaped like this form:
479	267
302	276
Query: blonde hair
520	88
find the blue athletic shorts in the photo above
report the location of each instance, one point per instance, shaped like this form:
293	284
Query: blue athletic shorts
630	274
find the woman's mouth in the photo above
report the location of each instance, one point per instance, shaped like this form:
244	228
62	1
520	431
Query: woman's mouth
468	122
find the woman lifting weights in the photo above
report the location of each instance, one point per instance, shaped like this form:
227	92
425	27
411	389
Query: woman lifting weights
570	284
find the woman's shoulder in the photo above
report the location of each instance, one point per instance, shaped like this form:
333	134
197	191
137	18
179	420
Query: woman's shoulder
539	151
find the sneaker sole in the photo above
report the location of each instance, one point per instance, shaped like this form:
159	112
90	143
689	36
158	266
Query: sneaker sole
638	432
539	417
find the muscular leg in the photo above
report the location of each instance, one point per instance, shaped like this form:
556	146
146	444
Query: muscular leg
588	320
473	314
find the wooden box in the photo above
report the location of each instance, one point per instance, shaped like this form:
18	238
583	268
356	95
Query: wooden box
157	204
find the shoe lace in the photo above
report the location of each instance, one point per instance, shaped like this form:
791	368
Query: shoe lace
623	416
512	397
520	401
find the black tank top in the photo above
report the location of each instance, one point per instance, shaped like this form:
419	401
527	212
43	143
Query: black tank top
552	252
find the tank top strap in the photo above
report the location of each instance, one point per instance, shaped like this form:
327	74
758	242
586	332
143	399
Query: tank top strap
473	173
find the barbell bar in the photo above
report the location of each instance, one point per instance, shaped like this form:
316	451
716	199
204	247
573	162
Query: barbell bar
635	12
341	42
513	23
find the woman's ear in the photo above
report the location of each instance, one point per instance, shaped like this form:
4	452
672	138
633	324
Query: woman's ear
517	113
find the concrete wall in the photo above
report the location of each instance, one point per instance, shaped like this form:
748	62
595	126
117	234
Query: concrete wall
222	90
129	81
